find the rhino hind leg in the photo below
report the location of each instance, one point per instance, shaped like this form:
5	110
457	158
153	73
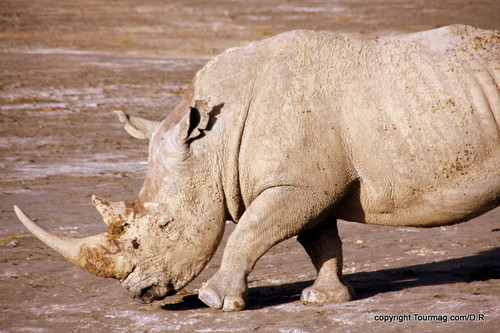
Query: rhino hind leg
324	246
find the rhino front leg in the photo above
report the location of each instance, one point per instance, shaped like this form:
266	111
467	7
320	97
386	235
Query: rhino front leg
266	222
324	246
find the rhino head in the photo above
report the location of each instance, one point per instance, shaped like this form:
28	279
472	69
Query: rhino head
158	243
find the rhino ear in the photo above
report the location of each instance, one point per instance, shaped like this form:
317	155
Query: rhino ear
201	118
138	127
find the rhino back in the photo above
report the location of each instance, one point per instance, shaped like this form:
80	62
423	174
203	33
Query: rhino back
412	119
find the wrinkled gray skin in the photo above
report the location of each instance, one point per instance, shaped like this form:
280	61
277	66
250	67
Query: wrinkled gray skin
287	135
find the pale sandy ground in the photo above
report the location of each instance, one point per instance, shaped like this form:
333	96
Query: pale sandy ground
66	64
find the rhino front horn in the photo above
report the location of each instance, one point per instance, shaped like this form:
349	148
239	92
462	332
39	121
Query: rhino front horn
94	254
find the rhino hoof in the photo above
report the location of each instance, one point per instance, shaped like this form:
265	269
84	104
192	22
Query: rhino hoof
315	296
208	296
235	304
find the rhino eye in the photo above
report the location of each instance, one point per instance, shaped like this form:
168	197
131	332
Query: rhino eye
165	222
135	243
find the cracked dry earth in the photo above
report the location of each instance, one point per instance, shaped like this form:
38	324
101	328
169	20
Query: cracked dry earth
66	65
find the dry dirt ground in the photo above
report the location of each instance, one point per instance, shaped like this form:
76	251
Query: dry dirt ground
65	65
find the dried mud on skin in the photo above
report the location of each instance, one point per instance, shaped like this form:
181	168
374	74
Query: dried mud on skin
66	65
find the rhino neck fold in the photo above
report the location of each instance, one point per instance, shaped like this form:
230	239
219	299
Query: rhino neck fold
230	165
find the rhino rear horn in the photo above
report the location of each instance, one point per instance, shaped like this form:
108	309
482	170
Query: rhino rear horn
112	213
139	128
95	254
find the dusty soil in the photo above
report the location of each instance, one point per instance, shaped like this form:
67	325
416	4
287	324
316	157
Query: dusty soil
65	65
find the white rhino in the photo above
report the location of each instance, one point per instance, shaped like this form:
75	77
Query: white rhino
287	135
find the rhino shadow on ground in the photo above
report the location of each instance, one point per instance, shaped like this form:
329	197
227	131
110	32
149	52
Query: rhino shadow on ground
479	267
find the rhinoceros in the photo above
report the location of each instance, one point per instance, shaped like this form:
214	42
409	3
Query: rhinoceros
287	135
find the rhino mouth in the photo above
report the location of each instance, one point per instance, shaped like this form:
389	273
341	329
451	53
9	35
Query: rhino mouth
154	293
